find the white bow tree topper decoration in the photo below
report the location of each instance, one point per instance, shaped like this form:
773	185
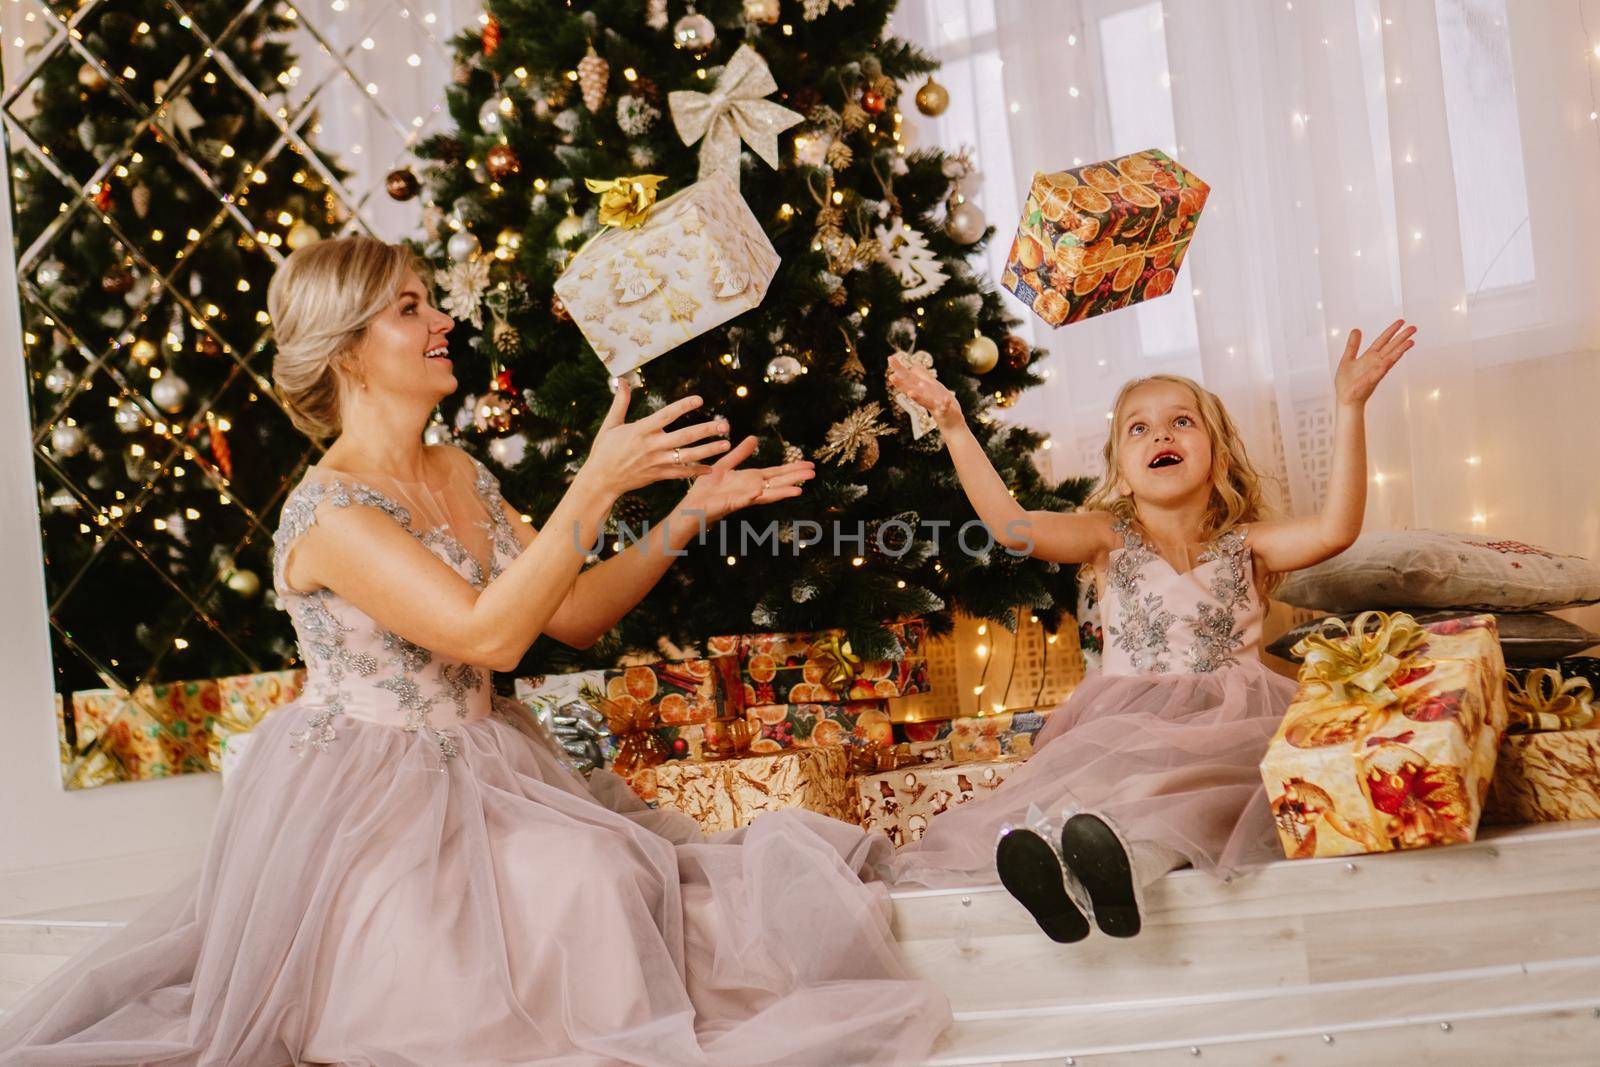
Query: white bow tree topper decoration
734	111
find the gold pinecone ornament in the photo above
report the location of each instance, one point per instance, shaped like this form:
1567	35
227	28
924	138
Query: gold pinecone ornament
593	73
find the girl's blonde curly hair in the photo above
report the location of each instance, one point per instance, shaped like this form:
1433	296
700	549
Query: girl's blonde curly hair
1236	493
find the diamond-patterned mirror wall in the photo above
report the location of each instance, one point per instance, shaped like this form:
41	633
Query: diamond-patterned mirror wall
163	158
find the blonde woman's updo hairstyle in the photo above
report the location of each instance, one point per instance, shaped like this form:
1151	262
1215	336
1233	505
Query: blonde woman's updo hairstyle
321	301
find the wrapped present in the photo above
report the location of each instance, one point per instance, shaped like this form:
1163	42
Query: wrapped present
679	693
1392	739
785	726
569	705
729	793
1549	768
821	667
900	802
1103	236
666	272
156	731
978	738
245	699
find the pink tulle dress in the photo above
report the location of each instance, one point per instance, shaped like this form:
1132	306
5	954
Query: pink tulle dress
1165	740
407	871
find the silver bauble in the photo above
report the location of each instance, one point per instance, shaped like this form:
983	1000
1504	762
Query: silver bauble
508	451
436	434
300	235
67	440
490	117
784	369
694	33
49	273
58	379
463	245
128	416
569	229
965	223
170	392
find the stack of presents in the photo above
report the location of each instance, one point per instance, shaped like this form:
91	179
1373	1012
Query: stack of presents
1436	690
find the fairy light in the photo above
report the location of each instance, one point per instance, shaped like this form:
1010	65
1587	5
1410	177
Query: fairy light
1473	461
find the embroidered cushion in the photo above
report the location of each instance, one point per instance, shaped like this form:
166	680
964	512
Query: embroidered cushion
1525	637
1421	569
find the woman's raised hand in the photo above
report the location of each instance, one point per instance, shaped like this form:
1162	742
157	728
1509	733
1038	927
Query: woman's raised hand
629	455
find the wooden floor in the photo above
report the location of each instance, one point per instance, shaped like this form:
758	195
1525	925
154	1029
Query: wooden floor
1483	953
1478	954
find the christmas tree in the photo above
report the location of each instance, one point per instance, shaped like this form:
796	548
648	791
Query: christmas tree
161	171
874	241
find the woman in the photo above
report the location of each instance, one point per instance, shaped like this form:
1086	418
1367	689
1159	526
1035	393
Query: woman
406	870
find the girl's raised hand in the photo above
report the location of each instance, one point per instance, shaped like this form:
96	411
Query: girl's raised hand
1356	377
926	390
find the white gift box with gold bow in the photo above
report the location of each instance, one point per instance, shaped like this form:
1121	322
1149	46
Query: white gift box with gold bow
699	259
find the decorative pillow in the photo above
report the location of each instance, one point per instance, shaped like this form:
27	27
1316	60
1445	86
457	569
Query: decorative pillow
1525	637
1434	569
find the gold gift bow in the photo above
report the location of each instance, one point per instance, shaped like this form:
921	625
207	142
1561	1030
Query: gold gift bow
733	112
728	739
1545	701
626	202
1365	657
843	664
638	745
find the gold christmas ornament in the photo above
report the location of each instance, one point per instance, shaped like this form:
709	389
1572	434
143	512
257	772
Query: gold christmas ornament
846	440
932	98
762	11
593	73
143	351
981	355
301	234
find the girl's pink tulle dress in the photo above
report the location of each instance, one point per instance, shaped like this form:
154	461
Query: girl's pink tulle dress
407	873
1165	740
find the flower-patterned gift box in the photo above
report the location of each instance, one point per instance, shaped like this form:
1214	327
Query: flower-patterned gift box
726	794
699	259
976	738
1103	236
901	802
1391	740
156	731
245	699
821	668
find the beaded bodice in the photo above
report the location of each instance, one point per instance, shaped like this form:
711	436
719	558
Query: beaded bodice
1157	621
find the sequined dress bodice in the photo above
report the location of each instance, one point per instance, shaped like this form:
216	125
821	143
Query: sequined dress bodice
1158	621
355	666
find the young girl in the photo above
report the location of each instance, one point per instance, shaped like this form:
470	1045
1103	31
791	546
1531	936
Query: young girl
1152	763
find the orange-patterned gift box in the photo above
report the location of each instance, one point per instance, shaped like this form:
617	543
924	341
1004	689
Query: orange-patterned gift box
1100	237
1392	739
900	803
727	794
784	726
821	668
680	693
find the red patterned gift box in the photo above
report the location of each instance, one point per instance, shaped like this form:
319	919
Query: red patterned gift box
1103	236
821	668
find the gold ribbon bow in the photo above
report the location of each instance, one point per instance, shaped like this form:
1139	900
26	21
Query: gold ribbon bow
1544	700
1363	655
733	112
626	202
843	664
729	738
875	757
638	744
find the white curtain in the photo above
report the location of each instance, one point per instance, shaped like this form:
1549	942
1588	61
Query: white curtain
1432	159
